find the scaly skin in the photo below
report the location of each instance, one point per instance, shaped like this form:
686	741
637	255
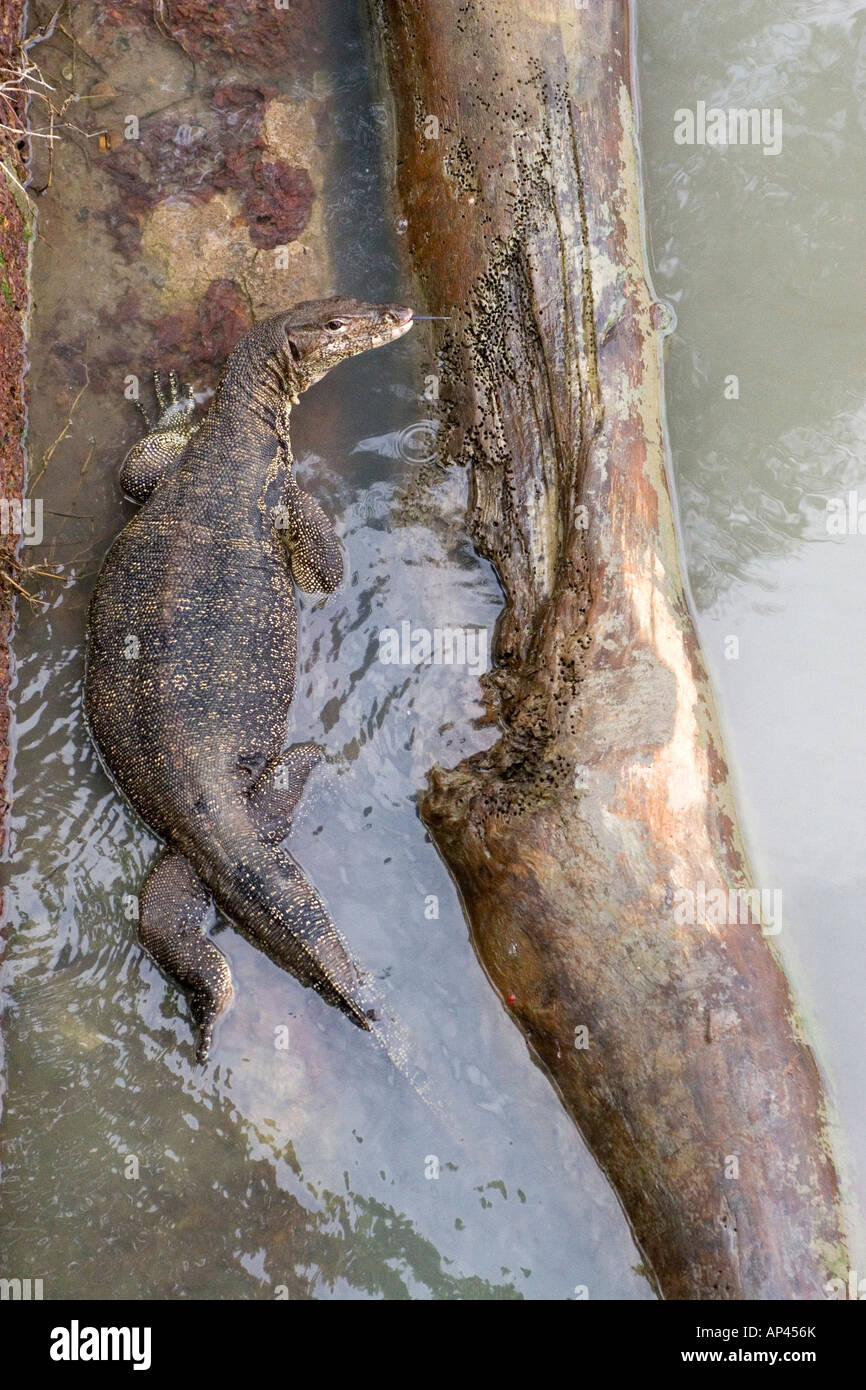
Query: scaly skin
191	646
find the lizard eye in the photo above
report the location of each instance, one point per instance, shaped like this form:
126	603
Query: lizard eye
334	325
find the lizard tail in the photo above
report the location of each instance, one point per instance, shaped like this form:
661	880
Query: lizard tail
261	888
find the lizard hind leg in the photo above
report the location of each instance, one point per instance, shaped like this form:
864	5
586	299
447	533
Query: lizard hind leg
174	906
276	794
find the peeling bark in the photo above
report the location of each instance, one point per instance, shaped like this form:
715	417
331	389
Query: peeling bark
607	791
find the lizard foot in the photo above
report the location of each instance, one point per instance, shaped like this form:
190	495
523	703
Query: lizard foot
176	408
315	553
173	908
274	798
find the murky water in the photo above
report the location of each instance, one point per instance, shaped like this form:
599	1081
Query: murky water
762	256
309	1169
306	1170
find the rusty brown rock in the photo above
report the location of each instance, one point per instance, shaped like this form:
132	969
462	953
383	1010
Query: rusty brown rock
204	204
225	151
243	32
203	335
607	793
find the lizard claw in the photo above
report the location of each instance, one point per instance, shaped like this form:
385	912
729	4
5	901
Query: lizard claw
175	408
160	394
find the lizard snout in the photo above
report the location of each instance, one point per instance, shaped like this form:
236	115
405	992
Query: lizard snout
398	320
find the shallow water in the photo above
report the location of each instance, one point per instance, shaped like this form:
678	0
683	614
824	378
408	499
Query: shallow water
304	1171
310	1169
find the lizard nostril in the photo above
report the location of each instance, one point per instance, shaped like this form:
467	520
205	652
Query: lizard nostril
397	318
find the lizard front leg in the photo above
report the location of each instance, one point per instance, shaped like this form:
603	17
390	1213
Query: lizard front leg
173	908
315	553
152	459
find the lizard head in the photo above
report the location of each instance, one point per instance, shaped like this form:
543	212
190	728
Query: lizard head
304	343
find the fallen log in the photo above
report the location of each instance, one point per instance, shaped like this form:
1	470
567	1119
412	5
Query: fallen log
580	838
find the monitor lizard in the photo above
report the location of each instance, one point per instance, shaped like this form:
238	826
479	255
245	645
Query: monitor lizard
190	660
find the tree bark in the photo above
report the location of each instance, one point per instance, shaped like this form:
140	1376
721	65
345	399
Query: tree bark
576	839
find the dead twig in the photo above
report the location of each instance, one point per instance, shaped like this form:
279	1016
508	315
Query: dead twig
45	31
49	452
161	18
78	47
162	21
45	574
82	474
6	578
22	82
